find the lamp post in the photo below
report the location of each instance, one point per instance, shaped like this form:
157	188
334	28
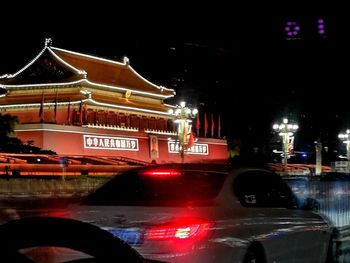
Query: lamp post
183	117
345	137
286	130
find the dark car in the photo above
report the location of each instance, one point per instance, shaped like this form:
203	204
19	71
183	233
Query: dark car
201	213
51	240
204	213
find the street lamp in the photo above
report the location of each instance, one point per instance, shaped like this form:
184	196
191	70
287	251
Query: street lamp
286	130
183	117
345	137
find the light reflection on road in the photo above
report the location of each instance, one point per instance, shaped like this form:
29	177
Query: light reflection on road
333	197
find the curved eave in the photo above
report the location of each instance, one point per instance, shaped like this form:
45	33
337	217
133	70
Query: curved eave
87	56
143	110
161	88
89	83
77	71
170	106
122	89
10	76
41	85
3	91
170	92
88	101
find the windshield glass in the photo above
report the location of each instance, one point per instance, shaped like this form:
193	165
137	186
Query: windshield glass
101	108
138	186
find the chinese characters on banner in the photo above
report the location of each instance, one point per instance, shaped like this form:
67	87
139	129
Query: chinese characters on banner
110	143
197	148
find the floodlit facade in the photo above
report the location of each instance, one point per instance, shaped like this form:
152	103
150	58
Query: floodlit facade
78	104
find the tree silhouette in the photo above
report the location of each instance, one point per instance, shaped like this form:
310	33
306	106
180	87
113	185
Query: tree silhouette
10	143
7	125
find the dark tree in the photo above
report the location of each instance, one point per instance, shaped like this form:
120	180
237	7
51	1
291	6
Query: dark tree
7	125
10	143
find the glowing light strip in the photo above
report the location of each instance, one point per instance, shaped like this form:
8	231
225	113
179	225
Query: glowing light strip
170	106
82	72
36	58
90	83
128	108
44	84
25	67
66	63
125	89
85	100
88	56
112	62
154	85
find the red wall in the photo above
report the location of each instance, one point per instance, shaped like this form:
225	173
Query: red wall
69	140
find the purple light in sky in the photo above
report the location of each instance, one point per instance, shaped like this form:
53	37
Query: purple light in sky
320	26
292	29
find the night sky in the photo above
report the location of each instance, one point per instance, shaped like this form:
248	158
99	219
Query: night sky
223	59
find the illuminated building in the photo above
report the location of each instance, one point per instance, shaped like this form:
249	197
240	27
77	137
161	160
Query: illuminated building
78	104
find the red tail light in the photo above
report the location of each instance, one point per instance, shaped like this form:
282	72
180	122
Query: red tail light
183	229
57	213
161	173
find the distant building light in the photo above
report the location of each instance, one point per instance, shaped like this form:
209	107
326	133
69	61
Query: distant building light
292	29
320	26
